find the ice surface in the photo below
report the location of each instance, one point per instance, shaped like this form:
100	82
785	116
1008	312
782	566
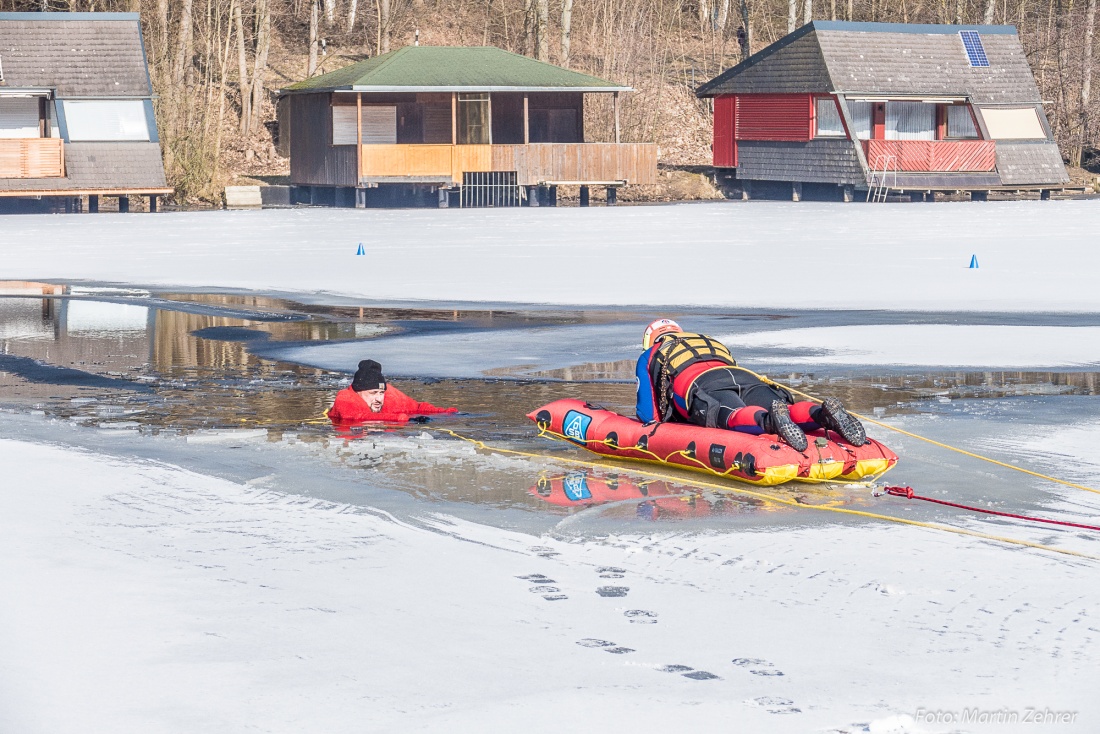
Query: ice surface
226	582
1035	256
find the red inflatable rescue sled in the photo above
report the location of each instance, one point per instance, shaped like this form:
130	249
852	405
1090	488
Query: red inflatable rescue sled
763	459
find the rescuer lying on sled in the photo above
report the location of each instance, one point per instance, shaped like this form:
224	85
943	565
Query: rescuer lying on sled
369	398
692	378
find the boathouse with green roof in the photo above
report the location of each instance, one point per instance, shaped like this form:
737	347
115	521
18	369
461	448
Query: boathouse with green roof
469	126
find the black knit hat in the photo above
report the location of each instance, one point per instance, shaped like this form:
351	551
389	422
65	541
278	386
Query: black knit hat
368	377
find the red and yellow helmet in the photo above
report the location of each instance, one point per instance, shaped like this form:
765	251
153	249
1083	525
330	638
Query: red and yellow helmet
657	329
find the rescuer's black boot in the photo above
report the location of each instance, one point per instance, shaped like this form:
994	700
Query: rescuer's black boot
834	417
781	424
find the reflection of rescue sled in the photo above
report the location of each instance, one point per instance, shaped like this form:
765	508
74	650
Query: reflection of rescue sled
655	498
760	459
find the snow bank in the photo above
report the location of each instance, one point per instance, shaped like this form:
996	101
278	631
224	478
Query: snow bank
152	599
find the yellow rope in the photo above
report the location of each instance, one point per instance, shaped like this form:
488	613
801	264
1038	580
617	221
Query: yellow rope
929	440
773	498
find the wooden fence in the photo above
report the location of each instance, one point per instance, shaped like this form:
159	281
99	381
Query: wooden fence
537	163
32	158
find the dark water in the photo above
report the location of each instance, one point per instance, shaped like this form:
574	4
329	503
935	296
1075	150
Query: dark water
185	363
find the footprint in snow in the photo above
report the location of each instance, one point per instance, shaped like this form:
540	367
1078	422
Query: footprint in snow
757	666
544	551
775	705
688	672
640	616
612	590
610	572
604	645
542	585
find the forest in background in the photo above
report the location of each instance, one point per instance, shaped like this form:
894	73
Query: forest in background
216	64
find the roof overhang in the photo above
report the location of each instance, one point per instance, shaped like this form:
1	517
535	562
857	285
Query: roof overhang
927	98
25	92
465	89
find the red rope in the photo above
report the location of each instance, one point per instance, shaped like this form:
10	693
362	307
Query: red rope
907	492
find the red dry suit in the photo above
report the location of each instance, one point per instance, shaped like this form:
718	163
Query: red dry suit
397	407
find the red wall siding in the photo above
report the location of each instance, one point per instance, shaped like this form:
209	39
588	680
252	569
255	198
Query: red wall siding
725	147
774	117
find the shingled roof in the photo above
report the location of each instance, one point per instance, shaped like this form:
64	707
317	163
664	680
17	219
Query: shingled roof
90	55
885	58
453	69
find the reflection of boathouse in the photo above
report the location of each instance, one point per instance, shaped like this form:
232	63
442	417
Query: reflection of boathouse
76	112
915	108
492	127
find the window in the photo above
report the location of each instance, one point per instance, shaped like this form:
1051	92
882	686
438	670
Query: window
473	119
829	124
910	121
19	117
106	119
860	113
1013	124
960	123
379	124
975	51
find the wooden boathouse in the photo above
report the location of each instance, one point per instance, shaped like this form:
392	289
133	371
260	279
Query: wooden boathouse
76	112
884	107
441	125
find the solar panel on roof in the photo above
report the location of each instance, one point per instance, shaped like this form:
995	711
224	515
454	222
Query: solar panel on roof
975	51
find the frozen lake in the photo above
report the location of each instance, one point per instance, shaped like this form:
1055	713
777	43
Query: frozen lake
182	522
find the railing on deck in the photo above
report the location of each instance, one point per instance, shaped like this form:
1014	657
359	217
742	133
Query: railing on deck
537	163
939	156
32	158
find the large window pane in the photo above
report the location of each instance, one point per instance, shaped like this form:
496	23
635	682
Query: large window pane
19	117
1013	124
860	112
829	124
910	121
960	124
113	119
473	119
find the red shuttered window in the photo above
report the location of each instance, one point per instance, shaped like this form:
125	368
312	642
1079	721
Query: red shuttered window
774	117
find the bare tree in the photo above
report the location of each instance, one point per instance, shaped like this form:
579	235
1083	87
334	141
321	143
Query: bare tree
184	45
242	71
259	64
990	9
543	29
353	7
807	11
314	20
792	15
330	13
566	30
528	27
382	32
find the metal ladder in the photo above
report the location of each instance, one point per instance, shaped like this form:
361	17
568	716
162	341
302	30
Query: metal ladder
884	176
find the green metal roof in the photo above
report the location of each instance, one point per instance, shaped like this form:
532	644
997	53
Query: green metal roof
453	69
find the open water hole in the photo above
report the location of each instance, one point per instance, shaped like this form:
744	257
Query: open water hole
201	368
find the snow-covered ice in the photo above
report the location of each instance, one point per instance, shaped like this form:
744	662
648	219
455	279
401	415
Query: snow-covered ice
155	585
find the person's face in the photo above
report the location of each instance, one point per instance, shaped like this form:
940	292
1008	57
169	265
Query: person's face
373	398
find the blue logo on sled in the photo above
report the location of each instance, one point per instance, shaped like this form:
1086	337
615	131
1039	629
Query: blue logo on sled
575	485
575	426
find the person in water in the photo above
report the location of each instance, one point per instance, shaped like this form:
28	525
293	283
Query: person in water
370	398
692	378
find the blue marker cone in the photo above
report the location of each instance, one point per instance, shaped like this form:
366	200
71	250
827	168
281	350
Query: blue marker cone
973	260
361	251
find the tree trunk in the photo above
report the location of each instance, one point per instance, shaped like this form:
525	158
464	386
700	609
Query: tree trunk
314	19
330	13
543	33
960	5
259	66
705	18
162	33
528	27
807	11
566	30
184	45
990	9
832	9
1086	76
242	70
746	46
792	15
353	7
385	22
723	14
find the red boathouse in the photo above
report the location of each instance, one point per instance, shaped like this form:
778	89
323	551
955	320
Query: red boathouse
842	106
